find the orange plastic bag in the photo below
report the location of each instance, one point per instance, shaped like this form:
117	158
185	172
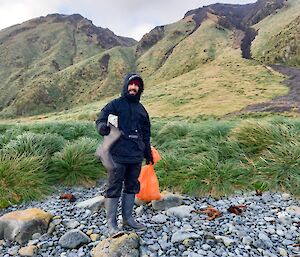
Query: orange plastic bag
155	154
149	187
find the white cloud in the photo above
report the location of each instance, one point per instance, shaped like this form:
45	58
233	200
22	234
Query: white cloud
140	30
14	12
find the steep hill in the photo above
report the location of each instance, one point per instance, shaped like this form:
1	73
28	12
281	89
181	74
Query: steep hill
278	39
202	64
32	52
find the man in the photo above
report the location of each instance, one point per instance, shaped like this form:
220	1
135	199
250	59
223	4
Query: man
127	152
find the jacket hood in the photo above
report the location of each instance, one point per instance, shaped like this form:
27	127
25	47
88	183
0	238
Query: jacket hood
131	76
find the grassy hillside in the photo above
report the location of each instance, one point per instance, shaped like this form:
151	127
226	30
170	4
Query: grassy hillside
205	75
278	37
200	48
225	85
155	57
47	60
78	84
190	67
214	89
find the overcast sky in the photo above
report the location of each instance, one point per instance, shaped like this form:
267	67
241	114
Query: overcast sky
130	18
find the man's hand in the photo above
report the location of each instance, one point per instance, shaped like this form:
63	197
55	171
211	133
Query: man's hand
104	130
150	160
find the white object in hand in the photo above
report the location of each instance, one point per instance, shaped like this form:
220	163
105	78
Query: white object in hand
113	120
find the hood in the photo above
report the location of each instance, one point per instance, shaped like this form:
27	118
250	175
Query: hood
131	76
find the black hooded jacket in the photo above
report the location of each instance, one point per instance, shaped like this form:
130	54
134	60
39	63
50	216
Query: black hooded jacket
133	120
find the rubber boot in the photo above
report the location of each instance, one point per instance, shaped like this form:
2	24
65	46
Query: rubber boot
127	207
111	206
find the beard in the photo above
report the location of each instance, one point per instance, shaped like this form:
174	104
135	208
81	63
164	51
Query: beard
132	92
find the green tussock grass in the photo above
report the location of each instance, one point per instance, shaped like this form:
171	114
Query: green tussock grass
280	167
35	144
22	178
218	158
254	137
200	156
76	163
47	154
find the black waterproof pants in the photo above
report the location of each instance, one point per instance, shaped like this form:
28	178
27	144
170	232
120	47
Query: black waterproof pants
124	173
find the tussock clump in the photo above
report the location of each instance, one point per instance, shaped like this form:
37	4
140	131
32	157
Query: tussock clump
22	178
280	167
76	163
35	144
9	134
69	130
256	136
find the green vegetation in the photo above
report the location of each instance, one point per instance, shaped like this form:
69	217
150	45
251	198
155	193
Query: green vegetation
278	36
76	163
220	157
35	144
34	157
59	61
200	156
194	76
202	47
22	178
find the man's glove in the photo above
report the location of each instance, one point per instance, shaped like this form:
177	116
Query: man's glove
149	160
104	130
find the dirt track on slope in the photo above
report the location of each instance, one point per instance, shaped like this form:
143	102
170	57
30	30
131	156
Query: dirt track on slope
285	103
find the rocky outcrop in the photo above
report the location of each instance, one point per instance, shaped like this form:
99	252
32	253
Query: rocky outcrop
150	39
19	226
126	245
105	37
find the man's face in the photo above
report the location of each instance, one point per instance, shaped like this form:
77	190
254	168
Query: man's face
133	88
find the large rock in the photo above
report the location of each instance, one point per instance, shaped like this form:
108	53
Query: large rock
73	239
19	226
126	245
295	210
93	204
183	234
183	211
167	201
30	250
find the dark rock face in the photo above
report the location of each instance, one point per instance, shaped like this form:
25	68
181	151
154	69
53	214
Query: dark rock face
250	35
150	39
105	38
103	63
